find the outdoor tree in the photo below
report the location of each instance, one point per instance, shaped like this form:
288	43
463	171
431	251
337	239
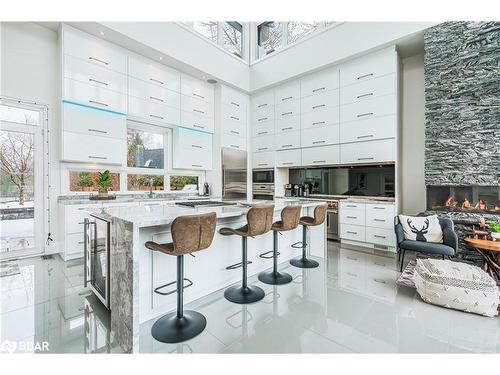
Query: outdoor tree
16	159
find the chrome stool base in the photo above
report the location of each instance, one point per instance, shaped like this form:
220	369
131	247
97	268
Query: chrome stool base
275	278
242	295
301	262
172	329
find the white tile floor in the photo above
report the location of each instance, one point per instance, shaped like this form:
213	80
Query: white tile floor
339	307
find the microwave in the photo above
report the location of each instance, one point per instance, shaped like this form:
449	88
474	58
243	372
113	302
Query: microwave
263	176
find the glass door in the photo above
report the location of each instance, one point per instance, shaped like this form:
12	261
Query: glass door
21	182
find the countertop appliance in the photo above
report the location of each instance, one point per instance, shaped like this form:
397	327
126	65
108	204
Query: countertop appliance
234	174
205	203
206	189
288	190
96	257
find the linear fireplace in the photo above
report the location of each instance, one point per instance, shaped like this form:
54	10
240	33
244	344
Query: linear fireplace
472	198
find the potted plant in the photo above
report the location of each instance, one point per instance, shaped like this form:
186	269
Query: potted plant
494	230
85	181
104	182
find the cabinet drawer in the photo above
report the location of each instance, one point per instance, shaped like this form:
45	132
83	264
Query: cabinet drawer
74	218
196	121
263	143
193	139
352	216
367	109
74	243
288	140
263	115
263	100
319	82
324	117
289	158
85	72
94	51
287	124
233	98
153	93
188	158
194	88
320	102
287	93
368	152
197	106
153	111
97	149
381	236
324	135
287	109
352	232
368	67
94	96
320	155
90	121
263	159
369	89
234	141
380	215
153	73
352	206
233	121
262	128
367	130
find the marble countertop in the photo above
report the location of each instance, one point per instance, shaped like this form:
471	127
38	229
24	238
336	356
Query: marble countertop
148	216
129	198
344	198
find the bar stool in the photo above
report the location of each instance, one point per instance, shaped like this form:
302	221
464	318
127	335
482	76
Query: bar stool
259	221
290	216
189	234
307	221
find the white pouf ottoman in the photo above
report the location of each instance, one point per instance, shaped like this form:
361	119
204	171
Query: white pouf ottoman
457	286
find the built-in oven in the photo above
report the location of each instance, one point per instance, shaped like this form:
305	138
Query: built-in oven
97	257
263	176
332	221
263	191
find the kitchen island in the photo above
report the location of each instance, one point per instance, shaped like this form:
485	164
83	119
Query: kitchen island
135	272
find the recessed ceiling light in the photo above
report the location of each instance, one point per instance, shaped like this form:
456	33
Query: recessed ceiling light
101	32
203	77
161	57
211	80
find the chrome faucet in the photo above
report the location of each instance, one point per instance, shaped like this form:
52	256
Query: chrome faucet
150	195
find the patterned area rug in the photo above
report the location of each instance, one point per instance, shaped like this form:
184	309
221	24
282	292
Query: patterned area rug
9	268
406	278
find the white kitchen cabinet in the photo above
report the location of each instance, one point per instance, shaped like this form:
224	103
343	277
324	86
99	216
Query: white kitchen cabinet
193	139
82	71
263	100
263	143
235	142
367	109
154	73
94	96
96	149
263	128
368	152
263	159
93	50
197	121
153	93
153	111
233	98
323	155
192	149
195	88
368	67
353	232
352	216
323	117
320	82
369	129
197	106
380	236
320	101
380	215
370	89
288	108
287	93
263	115
233	120
189	158
288	140
287	124
288	158
320	136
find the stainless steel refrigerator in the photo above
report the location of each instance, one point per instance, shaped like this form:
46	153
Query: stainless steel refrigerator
234	174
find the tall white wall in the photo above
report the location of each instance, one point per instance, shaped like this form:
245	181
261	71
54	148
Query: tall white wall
413	136
29	69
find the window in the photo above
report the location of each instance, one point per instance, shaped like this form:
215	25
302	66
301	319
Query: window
269	37
87	181
145	149
208	29
231	37
298	30
143	182
185	183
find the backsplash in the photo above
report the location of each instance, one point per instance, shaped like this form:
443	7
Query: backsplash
462	103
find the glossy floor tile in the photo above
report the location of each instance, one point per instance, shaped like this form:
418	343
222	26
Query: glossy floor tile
350	303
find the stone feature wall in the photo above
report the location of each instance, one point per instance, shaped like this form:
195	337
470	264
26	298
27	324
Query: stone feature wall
462	103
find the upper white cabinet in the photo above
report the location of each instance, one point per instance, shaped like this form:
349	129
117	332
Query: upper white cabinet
287	93
370	89
192	149
383	150
320	82
319	102
233	118
195	88
153	73
366	109
263	100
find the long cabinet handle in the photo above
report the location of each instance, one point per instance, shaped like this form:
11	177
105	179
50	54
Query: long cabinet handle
97	157
157	81
262	119
283	146
99	103
286	113
365	76
318	142
199	126
198	95
381	220
97	81
378	236
199	111
262	164
196	146
318	106
98	60
260	133
157	99
235	104
378	208
364	136
351	232
287	98
318	123
288	163
262	105
196	165
235	132
319	161
365	114
97	131
156	116
262	149
364	95
365	158
235	146
351	217
287	128
235	118
319	89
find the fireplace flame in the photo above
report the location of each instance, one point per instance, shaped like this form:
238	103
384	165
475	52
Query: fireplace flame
450	201
465	203
480	205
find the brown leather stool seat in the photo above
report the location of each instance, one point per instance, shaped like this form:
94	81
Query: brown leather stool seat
259	221
189	234
308	221
290	216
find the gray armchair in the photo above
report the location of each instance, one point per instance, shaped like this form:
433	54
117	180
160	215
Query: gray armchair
447	248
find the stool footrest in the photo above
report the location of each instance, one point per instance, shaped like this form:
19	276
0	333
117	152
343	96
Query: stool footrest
237	265
172	291
265	256
297	245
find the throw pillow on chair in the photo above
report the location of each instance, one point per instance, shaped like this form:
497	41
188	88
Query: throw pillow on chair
422	228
